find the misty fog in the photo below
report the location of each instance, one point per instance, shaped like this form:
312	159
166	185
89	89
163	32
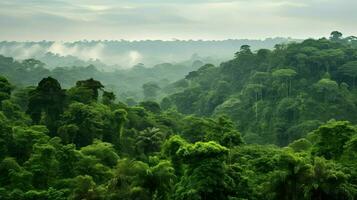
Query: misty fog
111	55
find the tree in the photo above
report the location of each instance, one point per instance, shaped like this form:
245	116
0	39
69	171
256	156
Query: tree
121	116
13	175
170	148
67	157
162	180
5	89
327	89
138	180
24	138
166	103
43	164
151	106
86	188
260	77
289	179
244	50
222	131
301	145
231	139
328	182
255	92
108	98
68	133
287	76
80	94
332	137
13	112
92	85
149	140
48	98
192	75
102	151
6	137
299	178
21	97
92	122
92	166
32	63
336	36
128	181
205	176
350	70
150	90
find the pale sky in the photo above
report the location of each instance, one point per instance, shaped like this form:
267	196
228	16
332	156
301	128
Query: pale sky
68	20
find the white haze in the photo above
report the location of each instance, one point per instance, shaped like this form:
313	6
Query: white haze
85	53
111	55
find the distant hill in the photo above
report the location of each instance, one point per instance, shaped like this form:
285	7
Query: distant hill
109	55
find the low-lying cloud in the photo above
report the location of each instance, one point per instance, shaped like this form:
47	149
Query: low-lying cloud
97	52
85	53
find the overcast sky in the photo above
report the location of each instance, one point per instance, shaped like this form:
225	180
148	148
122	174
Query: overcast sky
69	20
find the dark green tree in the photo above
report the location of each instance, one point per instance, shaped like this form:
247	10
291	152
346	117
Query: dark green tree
350	70
92	85
149	140
205	176
336	36
5	89
108	98
332	137
47	101
150	90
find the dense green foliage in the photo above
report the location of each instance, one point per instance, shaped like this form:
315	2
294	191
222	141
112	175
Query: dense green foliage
80	143
276	96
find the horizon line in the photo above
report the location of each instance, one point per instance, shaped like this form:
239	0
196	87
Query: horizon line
156	40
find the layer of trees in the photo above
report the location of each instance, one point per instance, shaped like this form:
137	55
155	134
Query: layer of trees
82	143
276	96
135	83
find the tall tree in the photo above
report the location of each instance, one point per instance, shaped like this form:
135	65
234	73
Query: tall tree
92	85
285	75
205	176
48	98
350	70
5	89
108	98
336	36
332	137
